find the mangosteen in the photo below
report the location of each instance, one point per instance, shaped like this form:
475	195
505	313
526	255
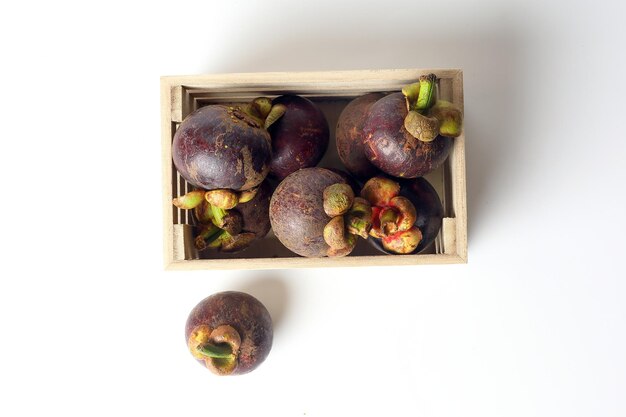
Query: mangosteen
409	134
314	213
428	206
406	214
226	220
299	138
225	147
349	136
229	332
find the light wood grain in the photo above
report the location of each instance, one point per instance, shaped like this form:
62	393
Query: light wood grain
299	262
166	164
312	80
180	95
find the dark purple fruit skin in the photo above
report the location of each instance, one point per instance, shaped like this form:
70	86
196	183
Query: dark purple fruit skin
349	136
392	149
221	147
297	211
429	211
299	138
256	212
247	315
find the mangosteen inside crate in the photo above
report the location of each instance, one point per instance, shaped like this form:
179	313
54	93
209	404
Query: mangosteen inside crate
331	91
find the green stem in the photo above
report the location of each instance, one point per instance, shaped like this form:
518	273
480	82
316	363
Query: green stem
426	96
218	215
216	351
218	238
209	231
208	234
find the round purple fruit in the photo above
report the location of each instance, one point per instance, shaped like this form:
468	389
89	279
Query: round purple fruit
409	134
314	213
229	332
406	214
226	147
349	136
299	138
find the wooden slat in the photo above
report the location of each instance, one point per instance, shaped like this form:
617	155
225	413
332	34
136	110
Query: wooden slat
449	232
457	90
459	187
182	238
299	262
177	103
166	164
444	89
311	79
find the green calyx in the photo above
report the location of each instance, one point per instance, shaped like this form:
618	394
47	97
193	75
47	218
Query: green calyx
449	117
262	109
403	242
224	199
337	198
220	227
421	127
190	200
275	113
359	218
350	217
218	348
248	195
204	212
428	117
378	191
388	218
393	216
358	226
262	106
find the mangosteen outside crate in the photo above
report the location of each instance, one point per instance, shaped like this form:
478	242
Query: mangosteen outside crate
331	91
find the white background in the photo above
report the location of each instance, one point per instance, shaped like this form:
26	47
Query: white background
533	325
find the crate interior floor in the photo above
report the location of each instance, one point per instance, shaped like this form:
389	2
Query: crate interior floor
270	246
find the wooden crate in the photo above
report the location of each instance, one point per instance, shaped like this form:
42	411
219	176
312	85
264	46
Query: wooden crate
180	95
